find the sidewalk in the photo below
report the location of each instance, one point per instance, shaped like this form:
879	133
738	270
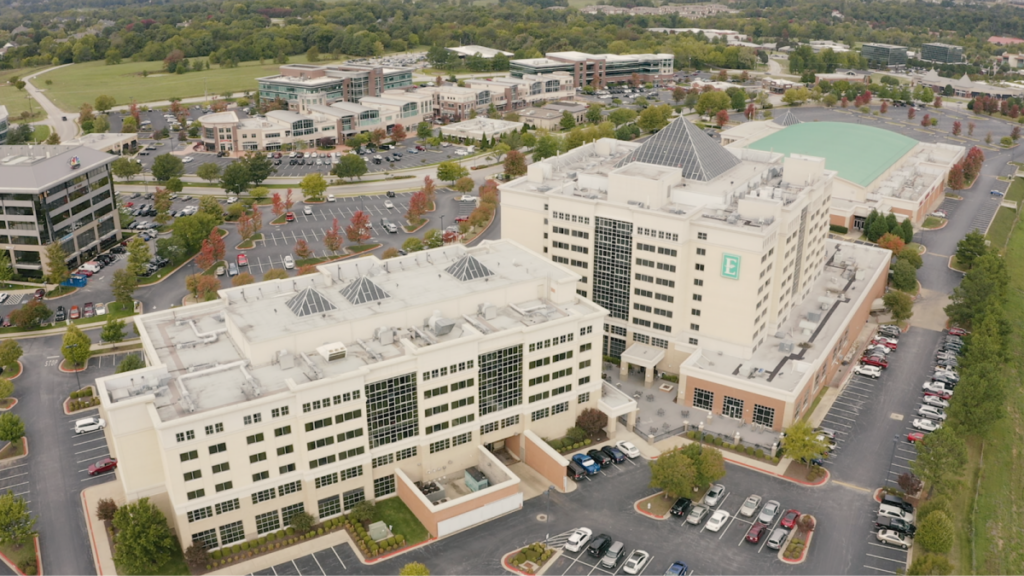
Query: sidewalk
102	554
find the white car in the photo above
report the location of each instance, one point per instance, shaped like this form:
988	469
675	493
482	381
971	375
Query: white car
750	505
892	339
91	424
926	425
936	387
461	152
578	539
330	197
232	199
931	412
938	214
929	400
636	562
187	159
869	371
312	154
628	449
894	538
308	210
101	308
389	204
289	262
270	155
718	519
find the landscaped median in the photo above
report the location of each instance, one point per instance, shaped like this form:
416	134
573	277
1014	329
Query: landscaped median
798	543
530	559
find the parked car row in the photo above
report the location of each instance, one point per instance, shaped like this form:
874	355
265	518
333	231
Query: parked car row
583	465
938	390
87	310
751	508
894	522
876	355
610	553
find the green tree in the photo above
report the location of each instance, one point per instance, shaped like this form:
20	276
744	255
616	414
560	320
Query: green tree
125	168
190	231
143	541
32	314
433	239
16	523
10	353
464	184
412	245
6	270
674	473
209	205
900	304
910	254
829	100
423	130
56	264
76	347
138	256
313	54
113	331
930	565
711	102
123	285
708	464
620	116
6	388
451	171
130	362
208	171
259	193
593	113
877	229
414	569
905	231
350	166
104	103
547	146
12	429
969	248
935	532
313	187
235	178
941	457
982	289
302	522
738	100
162	203
167	166
982	390
802	442
654	118
904	276
275	274
258	166
568	121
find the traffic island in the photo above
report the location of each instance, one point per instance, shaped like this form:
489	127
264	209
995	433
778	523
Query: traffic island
529	560
23	559
812	475
13	371
799	541
15	450
656	506
83	399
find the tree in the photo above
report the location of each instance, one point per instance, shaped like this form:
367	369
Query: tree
106	507
162	204
143	541
969	248
956	128
708	462
390	253
464	184
904	276
911	255
515	164
113	331
167	166
258	166
358	230
970	128
277	205
911	112
423	130
76	347
398	133
350	166
235	178
301	521
10	353
208	205
711	102
877	229
956	177
414	569
568	121
941	457
131	362
6	388
244	227
243	279
31	314
202	286
620	116
935	532
196	554
259	193
430	190
138	256
673	472
592	420
332	238
926	120
104	103
905	231
412	245
930	565
313	54
313	187
208	171
377	136
433	239
451	171
6	270
593	113
16	523
654	118
56	264
803	443
417	207
909	483
891	242
546	147
126	169
722	118
275	274
12	429
302	249
216	242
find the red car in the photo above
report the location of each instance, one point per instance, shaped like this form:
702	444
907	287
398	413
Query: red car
945	394
84	272
88	311
75	313
242	260
954	331
105	465
789	519
915	436
756	532
289	217
883	342
874	361
40	294
129	204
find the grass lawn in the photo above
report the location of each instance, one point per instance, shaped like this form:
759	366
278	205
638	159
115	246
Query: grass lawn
402	520
817	400
1016	190
20	554
659	504
362	248
12	450
250	243
1002	224
956	265
59	291
80	83
40	133
932	222
16	100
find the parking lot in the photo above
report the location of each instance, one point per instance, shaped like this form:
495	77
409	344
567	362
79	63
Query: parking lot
334	560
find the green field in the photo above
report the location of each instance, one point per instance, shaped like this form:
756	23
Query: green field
16	100
80	83
40	133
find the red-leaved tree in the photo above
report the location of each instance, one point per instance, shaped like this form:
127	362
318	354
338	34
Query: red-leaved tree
845	102
278	205
892	242
867	96
205	257
926	120
938	101
257	218
398	133
750	112
302	249
722	118
956	128
884	107
307	269
1015	133
430	189
245	229
359	228
217	243
289	201
956	177
417	207
911	113
970	128
332	238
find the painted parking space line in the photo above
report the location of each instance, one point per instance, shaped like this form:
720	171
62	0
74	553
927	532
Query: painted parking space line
831	415
13	486
96	439
879	569
836	424
897	560
89	450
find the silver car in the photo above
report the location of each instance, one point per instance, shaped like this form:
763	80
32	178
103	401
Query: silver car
769	512
714	495
750	505
777	538
697	515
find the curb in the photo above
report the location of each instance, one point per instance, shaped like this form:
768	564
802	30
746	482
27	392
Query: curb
39	560
636	506
949	264
389	555
508	565
945	221
75	289
418	228
21	370
24	443
66	371
11	406
822	482
67	402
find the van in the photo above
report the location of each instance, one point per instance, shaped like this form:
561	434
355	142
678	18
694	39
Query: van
895	512
93	267
898	502
90	424
614	555
389	226
575	471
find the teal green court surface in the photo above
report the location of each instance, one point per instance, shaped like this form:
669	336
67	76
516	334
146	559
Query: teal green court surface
858	153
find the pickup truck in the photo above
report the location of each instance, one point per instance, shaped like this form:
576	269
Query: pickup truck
895	524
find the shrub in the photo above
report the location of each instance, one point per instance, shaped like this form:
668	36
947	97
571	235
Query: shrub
576	434
272	536
400	539
519	559
749	450
391	541
216	554
245	545
262	540
759	453
301	521
592	420
105	509
319	531
290	531
556	443
586	442
236	549
838	229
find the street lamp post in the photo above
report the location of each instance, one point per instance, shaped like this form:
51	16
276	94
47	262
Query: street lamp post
895	442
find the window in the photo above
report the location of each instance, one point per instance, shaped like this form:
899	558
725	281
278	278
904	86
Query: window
540	414
260	476
207	537
320	443
583	398
693	341
350	453
460	385
252	419
322	461
391	410
698	267
194	475
584	380
227	506
350	434
703	399
694	312
467	401
698	282
286	469
327	480
663	282
659	342
200	513
217	448
254	438
435	410
351	498
560	407
764	415
405	454
383	460
353	472
642	322
732	407
329	507
186	435
500	374
268	522
461	439
344	417
282	431
436	428
224	486
702	235
695	327
701	252
383	486
281	451
463	420
440	445
585	347
214	428
190	455
278	412
289	488
231	533
254	458
218	468
264	495
291	510
196	494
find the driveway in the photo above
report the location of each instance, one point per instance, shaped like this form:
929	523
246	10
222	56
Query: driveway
66	129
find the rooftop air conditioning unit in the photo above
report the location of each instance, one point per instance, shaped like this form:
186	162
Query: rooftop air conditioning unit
333	351
488	311
285	359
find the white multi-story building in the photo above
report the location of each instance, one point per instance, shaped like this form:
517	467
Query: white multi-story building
712	262
358	382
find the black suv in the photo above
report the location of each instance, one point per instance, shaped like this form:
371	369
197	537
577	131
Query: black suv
614	453
600	457
599	545
61	314
890	500
681	507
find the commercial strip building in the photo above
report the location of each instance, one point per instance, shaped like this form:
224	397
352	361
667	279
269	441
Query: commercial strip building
964	87
692	11
55	194
944	53
598	70
713	263
549	116
335	82
457	103
109	142
365	380
479	128
876	169
4	124
851	76
473	50
884	55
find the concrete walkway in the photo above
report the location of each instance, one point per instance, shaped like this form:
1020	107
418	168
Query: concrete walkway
102	553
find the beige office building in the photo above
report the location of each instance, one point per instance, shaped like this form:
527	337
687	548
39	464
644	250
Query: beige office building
365	380
713	263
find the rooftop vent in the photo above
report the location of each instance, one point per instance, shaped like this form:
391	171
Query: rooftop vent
333	351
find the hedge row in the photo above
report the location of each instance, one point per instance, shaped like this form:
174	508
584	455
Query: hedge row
748	450
84	393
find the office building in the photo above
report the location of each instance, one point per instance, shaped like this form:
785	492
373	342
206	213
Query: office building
365	380
884	55
336	82
877	169
4	124
599	70
55	194
713	264
944	53
456	103
549	116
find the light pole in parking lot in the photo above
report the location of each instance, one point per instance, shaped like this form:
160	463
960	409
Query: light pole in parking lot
895	442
